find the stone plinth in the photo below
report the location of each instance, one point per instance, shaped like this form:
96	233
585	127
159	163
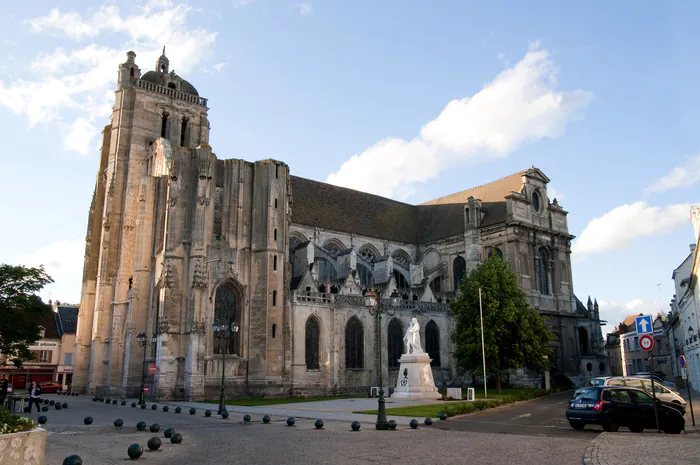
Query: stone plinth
26	448
415	381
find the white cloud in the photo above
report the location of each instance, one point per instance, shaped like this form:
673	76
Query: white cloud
554	193
81	133
241	3
684	175
305	8
621	226
83	79
615	312
63	261
519	106
219	66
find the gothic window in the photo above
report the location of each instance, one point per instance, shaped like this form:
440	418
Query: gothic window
394	342
334	247
295	240
313	330
226	311
369	253
366	277
218	211
274	331
277	171
354	344
401	282
325	270
164	125
459	268
402	257
496	251
274	262
432	343
436	284
583	340
183	133
274	298
542	271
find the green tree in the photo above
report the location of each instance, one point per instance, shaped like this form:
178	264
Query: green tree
21	309
515	335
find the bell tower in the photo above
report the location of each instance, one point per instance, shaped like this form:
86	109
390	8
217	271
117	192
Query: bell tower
163	64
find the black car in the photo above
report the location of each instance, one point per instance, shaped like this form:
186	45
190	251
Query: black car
613	406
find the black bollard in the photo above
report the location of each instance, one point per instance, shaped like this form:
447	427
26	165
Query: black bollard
318	424
133	405
155	427
176	438
178	410
42	419
392	424
193	411
355	425
266	419
141	426
290	421
87	420
154	407
118	422
143	406
123	402
428	421
64	405
207	413
413	424
166	408
168	433
224	414
135	451
153	443
73	460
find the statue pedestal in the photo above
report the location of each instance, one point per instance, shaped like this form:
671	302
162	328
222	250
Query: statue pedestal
415	381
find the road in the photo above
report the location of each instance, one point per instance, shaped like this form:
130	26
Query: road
214	440
540	417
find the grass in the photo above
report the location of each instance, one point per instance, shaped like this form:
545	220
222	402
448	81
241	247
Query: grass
452	408
260	401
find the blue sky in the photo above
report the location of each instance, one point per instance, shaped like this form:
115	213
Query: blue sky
421	98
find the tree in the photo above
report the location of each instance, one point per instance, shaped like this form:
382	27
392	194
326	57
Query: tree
515	335
21	309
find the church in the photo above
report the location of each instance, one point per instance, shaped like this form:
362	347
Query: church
239	271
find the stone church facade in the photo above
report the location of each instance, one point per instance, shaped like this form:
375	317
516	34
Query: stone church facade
178	240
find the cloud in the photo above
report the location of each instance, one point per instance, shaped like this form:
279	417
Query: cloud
623	225
554	193
82	79
684	175
63	261
518	107
615	312
305	8
81	133
241	3
219	66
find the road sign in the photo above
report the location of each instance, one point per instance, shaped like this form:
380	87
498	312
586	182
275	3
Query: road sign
659	332
643	323
146	389
152	369
681	361
684	373
646	342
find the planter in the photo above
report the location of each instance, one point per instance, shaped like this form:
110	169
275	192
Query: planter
26	448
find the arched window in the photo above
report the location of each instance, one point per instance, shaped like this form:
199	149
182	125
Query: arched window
402	257
325	270
542	271
295	240
183	132
171	85
333	246
366	277
496	251
436	284
432	343
583	340
459	268
164	125
394	343
131	73
401	282
313	330
227	311
354	344
369	253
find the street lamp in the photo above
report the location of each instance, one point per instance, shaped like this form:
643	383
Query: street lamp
144	342
222	331
373	302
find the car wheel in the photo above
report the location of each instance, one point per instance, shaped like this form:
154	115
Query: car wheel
578	425
610	425
636	429
672	430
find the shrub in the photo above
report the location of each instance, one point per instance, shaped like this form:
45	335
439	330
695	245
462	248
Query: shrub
11	423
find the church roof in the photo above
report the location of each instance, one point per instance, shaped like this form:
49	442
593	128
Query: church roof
490	192
158	77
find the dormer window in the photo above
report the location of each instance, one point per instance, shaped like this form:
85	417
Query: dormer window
536	201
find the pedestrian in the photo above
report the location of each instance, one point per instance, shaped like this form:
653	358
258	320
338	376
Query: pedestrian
34	394
4	385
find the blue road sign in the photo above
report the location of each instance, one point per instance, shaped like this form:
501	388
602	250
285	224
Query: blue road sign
681	360
644	325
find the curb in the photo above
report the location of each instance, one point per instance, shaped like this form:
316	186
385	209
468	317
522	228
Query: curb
590	457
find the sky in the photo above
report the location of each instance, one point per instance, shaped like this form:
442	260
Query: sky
407	99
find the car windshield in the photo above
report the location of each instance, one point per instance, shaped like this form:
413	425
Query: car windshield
587	394
595	382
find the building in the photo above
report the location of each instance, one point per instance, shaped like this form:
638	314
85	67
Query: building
66	323
687	301
180	241
626	356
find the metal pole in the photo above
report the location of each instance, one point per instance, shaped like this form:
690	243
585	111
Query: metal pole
483	350
222	400
653	391
382	424
687	386
142	395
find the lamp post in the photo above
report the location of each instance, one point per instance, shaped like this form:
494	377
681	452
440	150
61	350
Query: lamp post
222	331
145	342
373	302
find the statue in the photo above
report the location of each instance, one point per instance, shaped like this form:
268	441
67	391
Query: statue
412	338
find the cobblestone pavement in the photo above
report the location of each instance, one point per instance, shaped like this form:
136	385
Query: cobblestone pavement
653	448
214	440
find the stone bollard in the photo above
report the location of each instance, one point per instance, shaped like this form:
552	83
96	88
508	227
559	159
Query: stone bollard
176	438
392	424
428	421
413	424
141	426
153	443
291	421
355	425
319	424
118	422
155	427
266	419
135	451
168	433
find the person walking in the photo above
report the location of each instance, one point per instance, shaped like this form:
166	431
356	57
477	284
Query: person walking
34	395
4	385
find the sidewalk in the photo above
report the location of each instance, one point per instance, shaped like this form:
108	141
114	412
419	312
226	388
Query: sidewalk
653	448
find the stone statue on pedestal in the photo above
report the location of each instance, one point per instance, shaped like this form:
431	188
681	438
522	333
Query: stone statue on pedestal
415	380
412	338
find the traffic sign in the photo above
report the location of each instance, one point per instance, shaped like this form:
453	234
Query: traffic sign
646	342
659	332
644	325
681	361
684	373
152	369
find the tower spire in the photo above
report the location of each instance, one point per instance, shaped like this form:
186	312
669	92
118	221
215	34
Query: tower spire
163	64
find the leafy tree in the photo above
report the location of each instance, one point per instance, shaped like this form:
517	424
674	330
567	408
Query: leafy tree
21	309
515	335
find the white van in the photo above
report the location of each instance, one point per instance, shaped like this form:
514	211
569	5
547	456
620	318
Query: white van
661	391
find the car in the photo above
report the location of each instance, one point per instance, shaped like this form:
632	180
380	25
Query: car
50	387
661	391
615	406
599	381
657	379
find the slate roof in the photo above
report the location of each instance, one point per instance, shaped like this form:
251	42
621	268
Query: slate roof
50	327
67	320
158	78
326	206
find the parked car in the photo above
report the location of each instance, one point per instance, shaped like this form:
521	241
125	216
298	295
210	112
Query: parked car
613	406
657	379
49	387
661	391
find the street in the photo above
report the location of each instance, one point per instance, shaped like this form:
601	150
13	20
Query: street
214	440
